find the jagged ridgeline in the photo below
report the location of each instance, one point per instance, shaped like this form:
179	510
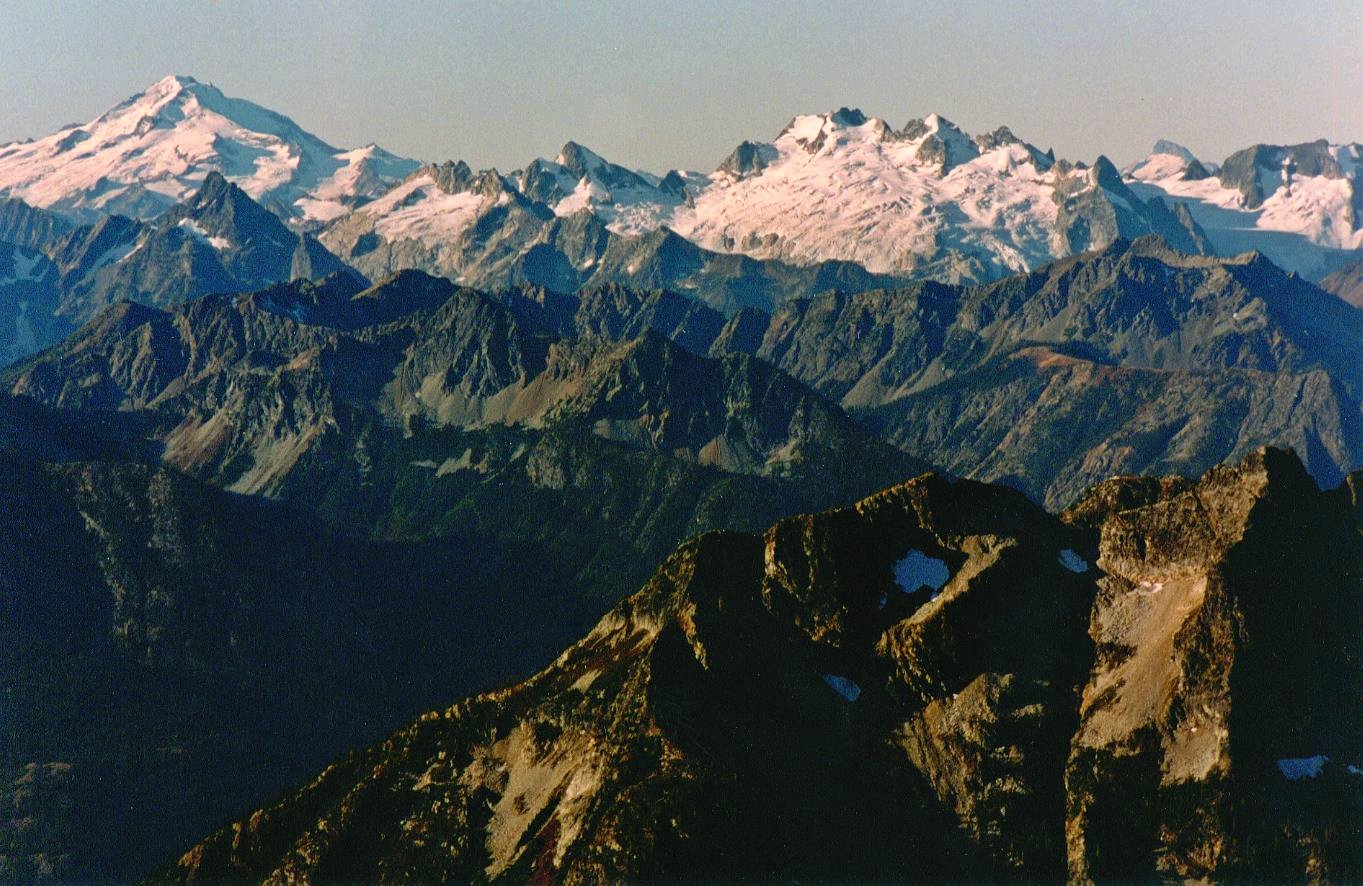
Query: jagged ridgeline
467	480
941	682
1131	359
838	200
217	240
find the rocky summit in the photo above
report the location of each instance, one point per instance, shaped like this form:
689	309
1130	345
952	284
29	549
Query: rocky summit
940	682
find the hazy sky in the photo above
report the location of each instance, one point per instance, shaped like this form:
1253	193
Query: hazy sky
657	85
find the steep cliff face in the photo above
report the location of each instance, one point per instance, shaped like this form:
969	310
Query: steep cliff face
942	681
216	240
1131	360
759	707
416	409
1134	359
1223	705
1347	283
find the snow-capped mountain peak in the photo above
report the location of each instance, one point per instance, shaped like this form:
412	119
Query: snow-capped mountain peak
1168	160
580	179
585	164
431	209
927	199
940	142
178	98
813	133
156	148
1166	146
580	160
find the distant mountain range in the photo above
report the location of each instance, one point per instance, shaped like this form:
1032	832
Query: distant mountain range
927	201
136	204
579	437
1139	358
217	240
924	201
447	480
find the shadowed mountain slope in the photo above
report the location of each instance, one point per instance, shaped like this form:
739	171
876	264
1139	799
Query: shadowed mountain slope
456	498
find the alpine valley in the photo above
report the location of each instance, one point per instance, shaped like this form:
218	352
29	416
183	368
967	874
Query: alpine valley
887	503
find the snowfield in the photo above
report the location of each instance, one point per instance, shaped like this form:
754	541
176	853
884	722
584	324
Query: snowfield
419	210
1302	224
860	193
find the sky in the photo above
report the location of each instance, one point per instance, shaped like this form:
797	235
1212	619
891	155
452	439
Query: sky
663	85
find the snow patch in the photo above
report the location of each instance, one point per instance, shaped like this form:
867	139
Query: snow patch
197	232
843	686
1072	561
366	171
1157	167
1298	768
419	210
629	210
25	264
917	570
116	254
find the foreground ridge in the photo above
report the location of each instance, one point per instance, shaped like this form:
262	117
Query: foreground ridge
940	681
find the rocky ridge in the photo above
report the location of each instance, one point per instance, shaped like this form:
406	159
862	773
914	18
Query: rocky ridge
940	682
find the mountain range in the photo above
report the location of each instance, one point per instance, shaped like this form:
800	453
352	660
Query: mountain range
945	509
1300	205
582	436
837	201
1142	359
832	187
218	240
1131	359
